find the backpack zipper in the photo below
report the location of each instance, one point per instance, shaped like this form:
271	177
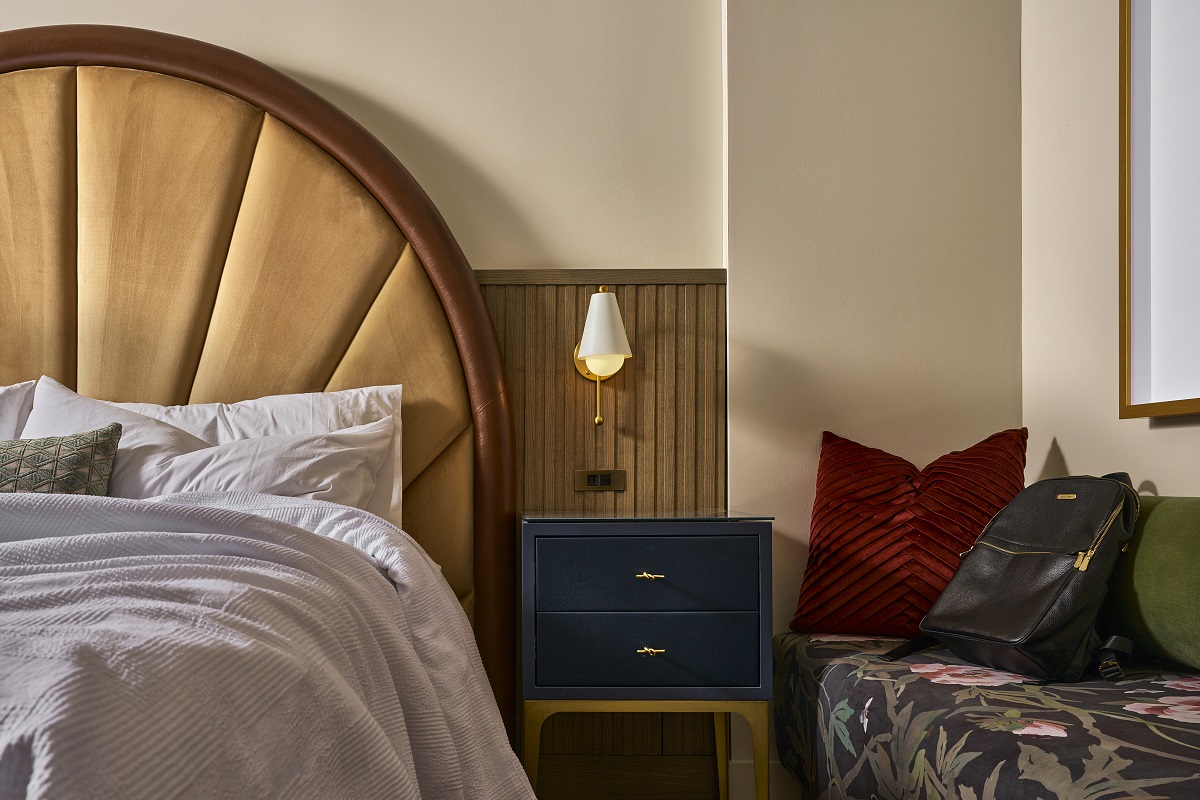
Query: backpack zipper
1018	552
1084	557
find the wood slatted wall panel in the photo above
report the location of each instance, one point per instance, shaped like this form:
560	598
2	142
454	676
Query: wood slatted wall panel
664	422
664	411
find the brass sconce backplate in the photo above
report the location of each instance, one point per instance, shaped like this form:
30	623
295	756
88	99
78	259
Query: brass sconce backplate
581	365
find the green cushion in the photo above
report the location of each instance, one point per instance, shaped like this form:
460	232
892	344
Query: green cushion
1154	594
77	464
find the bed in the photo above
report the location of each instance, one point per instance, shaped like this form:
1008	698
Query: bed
181	225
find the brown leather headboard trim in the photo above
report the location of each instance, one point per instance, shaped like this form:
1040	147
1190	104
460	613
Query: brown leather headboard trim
411	209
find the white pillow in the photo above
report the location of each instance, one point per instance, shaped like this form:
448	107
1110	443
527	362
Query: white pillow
313	412
15	403
156	458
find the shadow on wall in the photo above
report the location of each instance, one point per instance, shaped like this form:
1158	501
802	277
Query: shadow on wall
774	404
1182	421
777	408
1055	465
469	200
773	397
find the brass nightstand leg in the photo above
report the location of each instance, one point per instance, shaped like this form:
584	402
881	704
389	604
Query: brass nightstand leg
758	729
755	712
721	728
535	716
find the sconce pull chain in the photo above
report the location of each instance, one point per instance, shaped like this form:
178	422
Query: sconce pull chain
599	419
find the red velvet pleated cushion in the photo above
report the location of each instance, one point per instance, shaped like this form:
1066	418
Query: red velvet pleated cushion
886	537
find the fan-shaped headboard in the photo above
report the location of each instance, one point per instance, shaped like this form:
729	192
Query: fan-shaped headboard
180	223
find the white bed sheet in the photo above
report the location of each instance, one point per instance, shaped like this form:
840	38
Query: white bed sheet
235	645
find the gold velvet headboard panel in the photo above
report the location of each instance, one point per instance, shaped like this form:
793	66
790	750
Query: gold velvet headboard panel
219	255
172	234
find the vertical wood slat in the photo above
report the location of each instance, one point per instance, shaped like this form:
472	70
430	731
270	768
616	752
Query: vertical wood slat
719	379
626	453
664	386
686	398
707	375
665	422
647	418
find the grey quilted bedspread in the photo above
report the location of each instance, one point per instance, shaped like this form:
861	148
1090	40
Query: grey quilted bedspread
234	646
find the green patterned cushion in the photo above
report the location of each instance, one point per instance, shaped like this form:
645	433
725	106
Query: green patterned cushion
77	464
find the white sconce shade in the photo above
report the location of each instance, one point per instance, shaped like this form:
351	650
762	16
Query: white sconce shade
604	345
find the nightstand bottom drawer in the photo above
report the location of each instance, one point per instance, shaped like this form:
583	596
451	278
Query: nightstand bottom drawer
601	649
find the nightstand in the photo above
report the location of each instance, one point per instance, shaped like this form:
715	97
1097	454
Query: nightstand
654	613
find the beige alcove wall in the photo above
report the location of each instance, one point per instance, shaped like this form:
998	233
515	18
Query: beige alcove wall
550	134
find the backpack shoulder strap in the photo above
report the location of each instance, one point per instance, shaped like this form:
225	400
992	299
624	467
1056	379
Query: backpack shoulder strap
1110	654
1134	507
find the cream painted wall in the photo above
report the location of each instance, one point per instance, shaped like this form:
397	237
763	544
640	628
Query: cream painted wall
550	133
874	242
1070	114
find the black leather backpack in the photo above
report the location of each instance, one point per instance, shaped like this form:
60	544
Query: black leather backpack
1026	594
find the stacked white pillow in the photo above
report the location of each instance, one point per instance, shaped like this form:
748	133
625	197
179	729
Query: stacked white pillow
306	413
16	401
343	447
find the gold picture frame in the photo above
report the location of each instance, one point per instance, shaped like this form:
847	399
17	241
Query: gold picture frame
1128	408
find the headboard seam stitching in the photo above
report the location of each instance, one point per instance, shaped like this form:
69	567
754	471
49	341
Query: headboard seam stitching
374	300
450	443
228	243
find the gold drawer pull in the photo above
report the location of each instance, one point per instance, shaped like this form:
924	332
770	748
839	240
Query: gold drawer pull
648	576
650	651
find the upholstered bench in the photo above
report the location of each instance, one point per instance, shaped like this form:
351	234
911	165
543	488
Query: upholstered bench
849	724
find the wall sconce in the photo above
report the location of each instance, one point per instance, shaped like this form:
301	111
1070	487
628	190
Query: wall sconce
603	347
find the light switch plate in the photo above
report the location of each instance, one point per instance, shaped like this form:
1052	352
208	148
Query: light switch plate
599	480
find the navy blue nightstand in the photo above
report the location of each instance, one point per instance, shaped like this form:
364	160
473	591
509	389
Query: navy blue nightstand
653	613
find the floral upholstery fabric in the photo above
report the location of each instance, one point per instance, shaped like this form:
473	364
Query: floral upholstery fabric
850	725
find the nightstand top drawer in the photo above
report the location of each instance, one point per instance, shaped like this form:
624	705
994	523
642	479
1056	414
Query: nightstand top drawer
647	573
